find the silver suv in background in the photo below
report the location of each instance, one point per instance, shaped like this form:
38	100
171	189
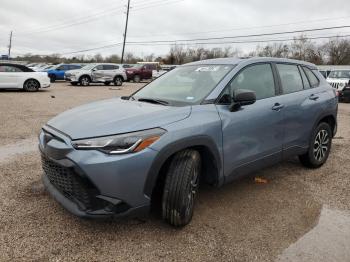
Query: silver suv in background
97	73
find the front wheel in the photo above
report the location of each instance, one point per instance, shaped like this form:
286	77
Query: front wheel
181	187
84	81
320	146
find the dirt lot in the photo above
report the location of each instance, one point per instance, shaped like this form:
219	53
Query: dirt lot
243	221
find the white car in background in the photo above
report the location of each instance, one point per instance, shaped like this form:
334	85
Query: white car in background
339	78
162	70
97	73
15	76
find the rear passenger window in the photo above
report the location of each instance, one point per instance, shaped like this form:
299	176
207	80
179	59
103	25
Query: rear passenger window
110	67
290	78
312	78
74	67
257	78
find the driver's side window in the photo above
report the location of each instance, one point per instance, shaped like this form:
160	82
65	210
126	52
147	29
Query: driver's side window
258	78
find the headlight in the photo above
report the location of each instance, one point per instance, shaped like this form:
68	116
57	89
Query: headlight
121	144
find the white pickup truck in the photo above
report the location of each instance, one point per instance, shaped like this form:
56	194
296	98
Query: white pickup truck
163	69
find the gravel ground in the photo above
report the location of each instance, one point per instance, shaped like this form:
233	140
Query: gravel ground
243	221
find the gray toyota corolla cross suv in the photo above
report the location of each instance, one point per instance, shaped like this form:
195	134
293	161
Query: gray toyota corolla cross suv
211	122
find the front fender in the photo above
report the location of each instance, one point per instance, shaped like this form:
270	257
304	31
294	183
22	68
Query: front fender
174	147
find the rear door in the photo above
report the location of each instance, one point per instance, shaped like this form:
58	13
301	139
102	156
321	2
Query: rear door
300	98
110	72
10	76
252	136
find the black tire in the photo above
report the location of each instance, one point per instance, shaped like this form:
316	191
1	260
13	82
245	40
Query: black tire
319	148
84	81
137	79
31	85
107	83
52	78
74	83
118	81
181	186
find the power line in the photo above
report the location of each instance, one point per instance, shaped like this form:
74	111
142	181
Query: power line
245	28
210	43
246	36
92	17
162	3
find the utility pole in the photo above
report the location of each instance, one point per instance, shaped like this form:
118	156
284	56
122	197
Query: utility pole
126	30
10	46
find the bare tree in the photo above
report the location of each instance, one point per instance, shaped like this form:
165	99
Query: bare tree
337	51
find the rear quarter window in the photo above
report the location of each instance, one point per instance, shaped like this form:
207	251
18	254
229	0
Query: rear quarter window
314	81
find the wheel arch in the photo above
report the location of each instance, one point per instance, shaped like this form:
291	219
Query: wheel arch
329	119
211	164
118	76
80	77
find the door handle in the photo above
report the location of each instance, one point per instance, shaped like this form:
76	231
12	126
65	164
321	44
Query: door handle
314	97
277	107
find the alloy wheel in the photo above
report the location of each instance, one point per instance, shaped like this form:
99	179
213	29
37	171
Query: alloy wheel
321	145
192	192
85	81
32	85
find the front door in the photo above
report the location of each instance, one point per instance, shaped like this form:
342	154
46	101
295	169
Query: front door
252	136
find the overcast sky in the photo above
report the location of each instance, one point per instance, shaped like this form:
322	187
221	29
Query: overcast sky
64	26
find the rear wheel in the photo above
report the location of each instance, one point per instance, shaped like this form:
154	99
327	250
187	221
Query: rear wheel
84	81
118	81
319	148
181	187
31	85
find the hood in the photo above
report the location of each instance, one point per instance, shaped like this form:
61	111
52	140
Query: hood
132	69
115	116
338	80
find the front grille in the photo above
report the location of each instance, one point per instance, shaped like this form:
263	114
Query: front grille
71	185
335	85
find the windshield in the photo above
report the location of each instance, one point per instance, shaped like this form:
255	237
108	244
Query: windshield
88	67
340	74
185	85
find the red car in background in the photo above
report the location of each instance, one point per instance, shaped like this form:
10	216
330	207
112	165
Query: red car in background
142	71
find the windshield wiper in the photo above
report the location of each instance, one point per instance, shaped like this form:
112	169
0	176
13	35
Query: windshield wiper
153	101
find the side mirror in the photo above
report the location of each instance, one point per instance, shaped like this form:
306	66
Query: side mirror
242	97
94	69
